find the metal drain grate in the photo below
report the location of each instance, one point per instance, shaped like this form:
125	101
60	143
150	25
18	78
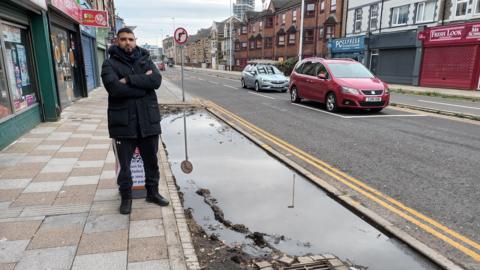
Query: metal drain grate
320	265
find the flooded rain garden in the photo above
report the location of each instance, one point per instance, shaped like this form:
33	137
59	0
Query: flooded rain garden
248	210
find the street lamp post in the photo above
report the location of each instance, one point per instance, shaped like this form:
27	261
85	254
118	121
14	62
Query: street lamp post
230	54
300	48
174	44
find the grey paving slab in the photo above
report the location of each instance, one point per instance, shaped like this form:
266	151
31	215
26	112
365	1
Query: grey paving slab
108	174
35	159
12	251
14	183
146	228
71	149
60	221
105	261
107	195
105	223
51	258
150	265
89	164
32	211
43	187
82	180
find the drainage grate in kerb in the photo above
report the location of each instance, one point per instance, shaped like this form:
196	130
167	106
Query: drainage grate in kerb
319	265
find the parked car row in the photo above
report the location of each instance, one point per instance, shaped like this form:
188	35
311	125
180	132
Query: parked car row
337	83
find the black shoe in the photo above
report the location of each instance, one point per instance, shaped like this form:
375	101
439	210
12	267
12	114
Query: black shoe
126	203
126	206
154	197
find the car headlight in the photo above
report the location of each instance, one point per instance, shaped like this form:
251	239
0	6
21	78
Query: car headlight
348	90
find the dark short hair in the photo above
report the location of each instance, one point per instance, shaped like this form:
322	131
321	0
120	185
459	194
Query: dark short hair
125	30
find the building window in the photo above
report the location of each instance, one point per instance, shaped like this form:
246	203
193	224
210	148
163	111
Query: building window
357	20
252	44
261	25
310	10
330	33
294	15
400	15
244	30
308	36
322	5
461	8
333	7
237	46
244	45
477	7
268	42
237	62
424	12
254	28
283	18
269	23
281	40
373	17
291	39
320	32
259	44
16	73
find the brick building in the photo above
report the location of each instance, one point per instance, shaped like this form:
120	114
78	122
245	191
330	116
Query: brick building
274	33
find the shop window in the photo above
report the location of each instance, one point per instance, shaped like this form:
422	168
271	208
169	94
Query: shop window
294	15
373	17
291	39
357	20
461	8
333	7
322	5
268	42
310	10
16	75
400	15
308	36
424	12
281	40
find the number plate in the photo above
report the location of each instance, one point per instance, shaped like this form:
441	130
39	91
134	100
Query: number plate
373	99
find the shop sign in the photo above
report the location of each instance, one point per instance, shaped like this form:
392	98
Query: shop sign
347	44
474	32
70	8
444	34
95	18
464	33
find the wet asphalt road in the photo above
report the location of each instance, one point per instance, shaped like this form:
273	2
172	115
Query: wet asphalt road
430	164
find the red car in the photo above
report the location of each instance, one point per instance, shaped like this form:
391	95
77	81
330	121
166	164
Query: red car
338	83
161	66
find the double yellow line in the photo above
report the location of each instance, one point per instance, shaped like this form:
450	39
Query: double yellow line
459	241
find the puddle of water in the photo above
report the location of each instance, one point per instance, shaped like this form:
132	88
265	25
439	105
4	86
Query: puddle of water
254	189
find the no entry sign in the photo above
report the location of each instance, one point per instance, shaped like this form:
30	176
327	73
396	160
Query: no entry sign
180	36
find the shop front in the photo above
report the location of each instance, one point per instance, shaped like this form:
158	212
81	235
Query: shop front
66	41
348	47
393	56
26	76
451	56
89	51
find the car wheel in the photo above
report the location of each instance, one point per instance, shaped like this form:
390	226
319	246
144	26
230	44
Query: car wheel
257	87
331	102
294	95
376	110
243	83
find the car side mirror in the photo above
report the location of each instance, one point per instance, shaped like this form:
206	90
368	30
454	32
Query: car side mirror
322	76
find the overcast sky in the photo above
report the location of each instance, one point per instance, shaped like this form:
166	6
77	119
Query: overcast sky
154	18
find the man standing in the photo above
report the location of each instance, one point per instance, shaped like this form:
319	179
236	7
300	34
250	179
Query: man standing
130	77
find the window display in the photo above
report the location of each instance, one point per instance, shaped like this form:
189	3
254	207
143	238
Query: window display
17	69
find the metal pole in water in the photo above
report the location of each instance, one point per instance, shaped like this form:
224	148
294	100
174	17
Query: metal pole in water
293	194
185	133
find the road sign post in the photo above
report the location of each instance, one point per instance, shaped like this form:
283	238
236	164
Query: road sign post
181	37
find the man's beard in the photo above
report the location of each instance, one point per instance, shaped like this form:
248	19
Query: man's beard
128	50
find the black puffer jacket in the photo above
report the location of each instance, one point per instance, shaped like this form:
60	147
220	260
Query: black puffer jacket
133	107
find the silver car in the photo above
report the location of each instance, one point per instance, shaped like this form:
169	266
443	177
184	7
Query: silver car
264	77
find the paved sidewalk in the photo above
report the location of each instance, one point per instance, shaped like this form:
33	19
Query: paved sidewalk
59	202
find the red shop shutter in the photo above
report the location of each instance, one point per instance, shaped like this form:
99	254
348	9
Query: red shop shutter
452	67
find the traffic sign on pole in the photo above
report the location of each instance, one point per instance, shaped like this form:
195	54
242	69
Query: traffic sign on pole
180	36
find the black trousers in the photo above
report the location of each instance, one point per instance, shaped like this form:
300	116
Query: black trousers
148	150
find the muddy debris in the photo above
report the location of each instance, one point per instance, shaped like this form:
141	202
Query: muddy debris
258	239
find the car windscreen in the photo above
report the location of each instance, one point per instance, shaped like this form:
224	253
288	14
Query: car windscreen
268	70
349	70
